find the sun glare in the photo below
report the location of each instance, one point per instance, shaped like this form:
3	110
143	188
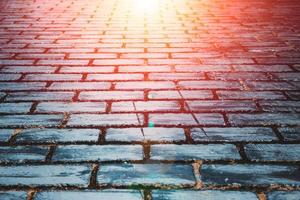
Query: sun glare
146	6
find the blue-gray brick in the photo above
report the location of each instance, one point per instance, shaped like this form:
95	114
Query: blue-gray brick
204	194
39	96
23	153
273	152
57	135
119	194
151	134
60	107
10	108
147	174
9	86
30	120
45	175
98	153
233	134
265	119
250	174
104	119
194	152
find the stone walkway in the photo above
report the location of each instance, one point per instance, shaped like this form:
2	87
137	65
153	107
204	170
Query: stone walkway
149	99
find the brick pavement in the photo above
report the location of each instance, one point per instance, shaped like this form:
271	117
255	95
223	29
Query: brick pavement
161	99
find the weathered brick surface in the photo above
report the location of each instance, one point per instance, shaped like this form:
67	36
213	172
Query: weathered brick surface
197	95
148	174
206	194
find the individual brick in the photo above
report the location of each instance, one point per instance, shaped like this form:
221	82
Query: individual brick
39	96
104	120
53	77
223	94
80	86
194	152
119	62
264	119
112	95
92	55
176	76
115	77
23	153
172	119
145	68
220	105
210	119
61	107
263	68
98	153
202	68
141	85
11	195
273	152
9	77
280	106
283	195
260	85
9	86
120	194
231	76
203	194
290	133
30	120
63	62
57	135
102	69
45	175
249	174
209	85
186	94
28	69
150	134
9	108
233	134
146	174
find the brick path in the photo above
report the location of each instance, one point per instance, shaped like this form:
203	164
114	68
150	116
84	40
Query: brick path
161	99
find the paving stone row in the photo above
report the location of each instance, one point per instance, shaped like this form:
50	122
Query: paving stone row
150	100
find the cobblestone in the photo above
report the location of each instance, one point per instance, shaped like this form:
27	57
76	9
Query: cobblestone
149	99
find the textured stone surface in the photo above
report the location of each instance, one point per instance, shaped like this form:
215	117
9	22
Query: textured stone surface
205	194
250	174
57	135
233	134
38	175
23	153
100	153
194	152
145	134
90	195
126	94
273	152
149	174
